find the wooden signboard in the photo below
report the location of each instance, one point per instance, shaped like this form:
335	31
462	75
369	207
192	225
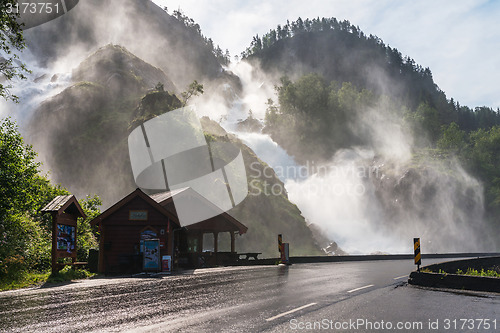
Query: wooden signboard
65	212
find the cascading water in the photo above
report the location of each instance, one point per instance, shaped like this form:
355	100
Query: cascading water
40	85
334	197
372	199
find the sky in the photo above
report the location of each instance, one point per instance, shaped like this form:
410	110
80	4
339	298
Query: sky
459	40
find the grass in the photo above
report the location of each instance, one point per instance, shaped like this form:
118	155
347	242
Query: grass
68	273
470	271
474	272
24	280
31	279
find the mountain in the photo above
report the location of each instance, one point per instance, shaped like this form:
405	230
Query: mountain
172	44
82	134
121	72
341	52
351	104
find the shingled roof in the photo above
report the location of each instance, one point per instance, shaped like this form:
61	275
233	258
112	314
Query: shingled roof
62	202
162	196
222	220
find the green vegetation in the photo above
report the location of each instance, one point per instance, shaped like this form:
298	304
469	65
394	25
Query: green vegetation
315	118
25	235
159	101
223	57
152	105
482	272
470	271
11	40
27	279
318	114
194	89
86	236
68	274
341	52
315	113
31	279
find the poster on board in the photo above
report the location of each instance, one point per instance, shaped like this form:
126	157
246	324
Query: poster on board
151	255
66	238
147	234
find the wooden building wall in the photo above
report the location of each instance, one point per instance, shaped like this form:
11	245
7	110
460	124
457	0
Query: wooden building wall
120	236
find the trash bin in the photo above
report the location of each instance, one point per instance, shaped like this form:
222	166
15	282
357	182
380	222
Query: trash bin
166	263
93	260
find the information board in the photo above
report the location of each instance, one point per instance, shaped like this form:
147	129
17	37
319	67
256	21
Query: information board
66	238
151	255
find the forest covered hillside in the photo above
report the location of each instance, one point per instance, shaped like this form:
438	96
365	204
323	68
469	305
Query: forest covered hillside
339	51
335	79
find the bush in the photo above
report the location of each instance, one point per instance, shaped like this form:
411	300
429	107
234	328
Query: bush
24	234
12	268
69	273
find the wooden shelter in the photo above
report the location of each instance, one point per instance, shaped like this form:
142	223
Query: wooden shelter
127	224
189	240
65	211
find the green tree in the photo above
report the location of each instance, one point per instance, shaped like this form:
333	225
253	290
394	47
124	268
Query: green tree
426	119
86	239
24	233
484	159
18	170
160	87
452	138
486	152
194	89
11	41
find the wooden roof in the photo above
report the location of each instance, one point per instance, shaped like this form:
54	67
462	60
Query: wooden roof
220	222
137	193
164	196
61	203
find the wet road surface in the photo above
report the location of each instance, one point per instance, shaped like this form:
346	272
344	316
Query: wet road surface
301	297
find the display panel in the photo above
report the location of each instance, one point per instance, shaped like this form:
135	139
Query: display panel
66	238
151	255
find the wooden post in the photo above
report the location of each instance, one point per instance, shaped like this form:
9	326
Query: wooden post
200	242
232	242
101	265
216	246
54	244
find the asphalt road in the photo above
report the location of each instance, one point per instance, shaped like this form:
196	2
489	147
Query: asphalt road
338	297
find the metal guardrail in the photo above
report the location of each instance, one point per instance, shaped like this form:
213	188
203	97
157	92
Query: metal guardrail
369	257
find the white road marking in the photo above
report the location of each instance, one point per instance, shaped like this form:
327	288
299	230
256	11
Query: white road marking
291	311
353	290
400	277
